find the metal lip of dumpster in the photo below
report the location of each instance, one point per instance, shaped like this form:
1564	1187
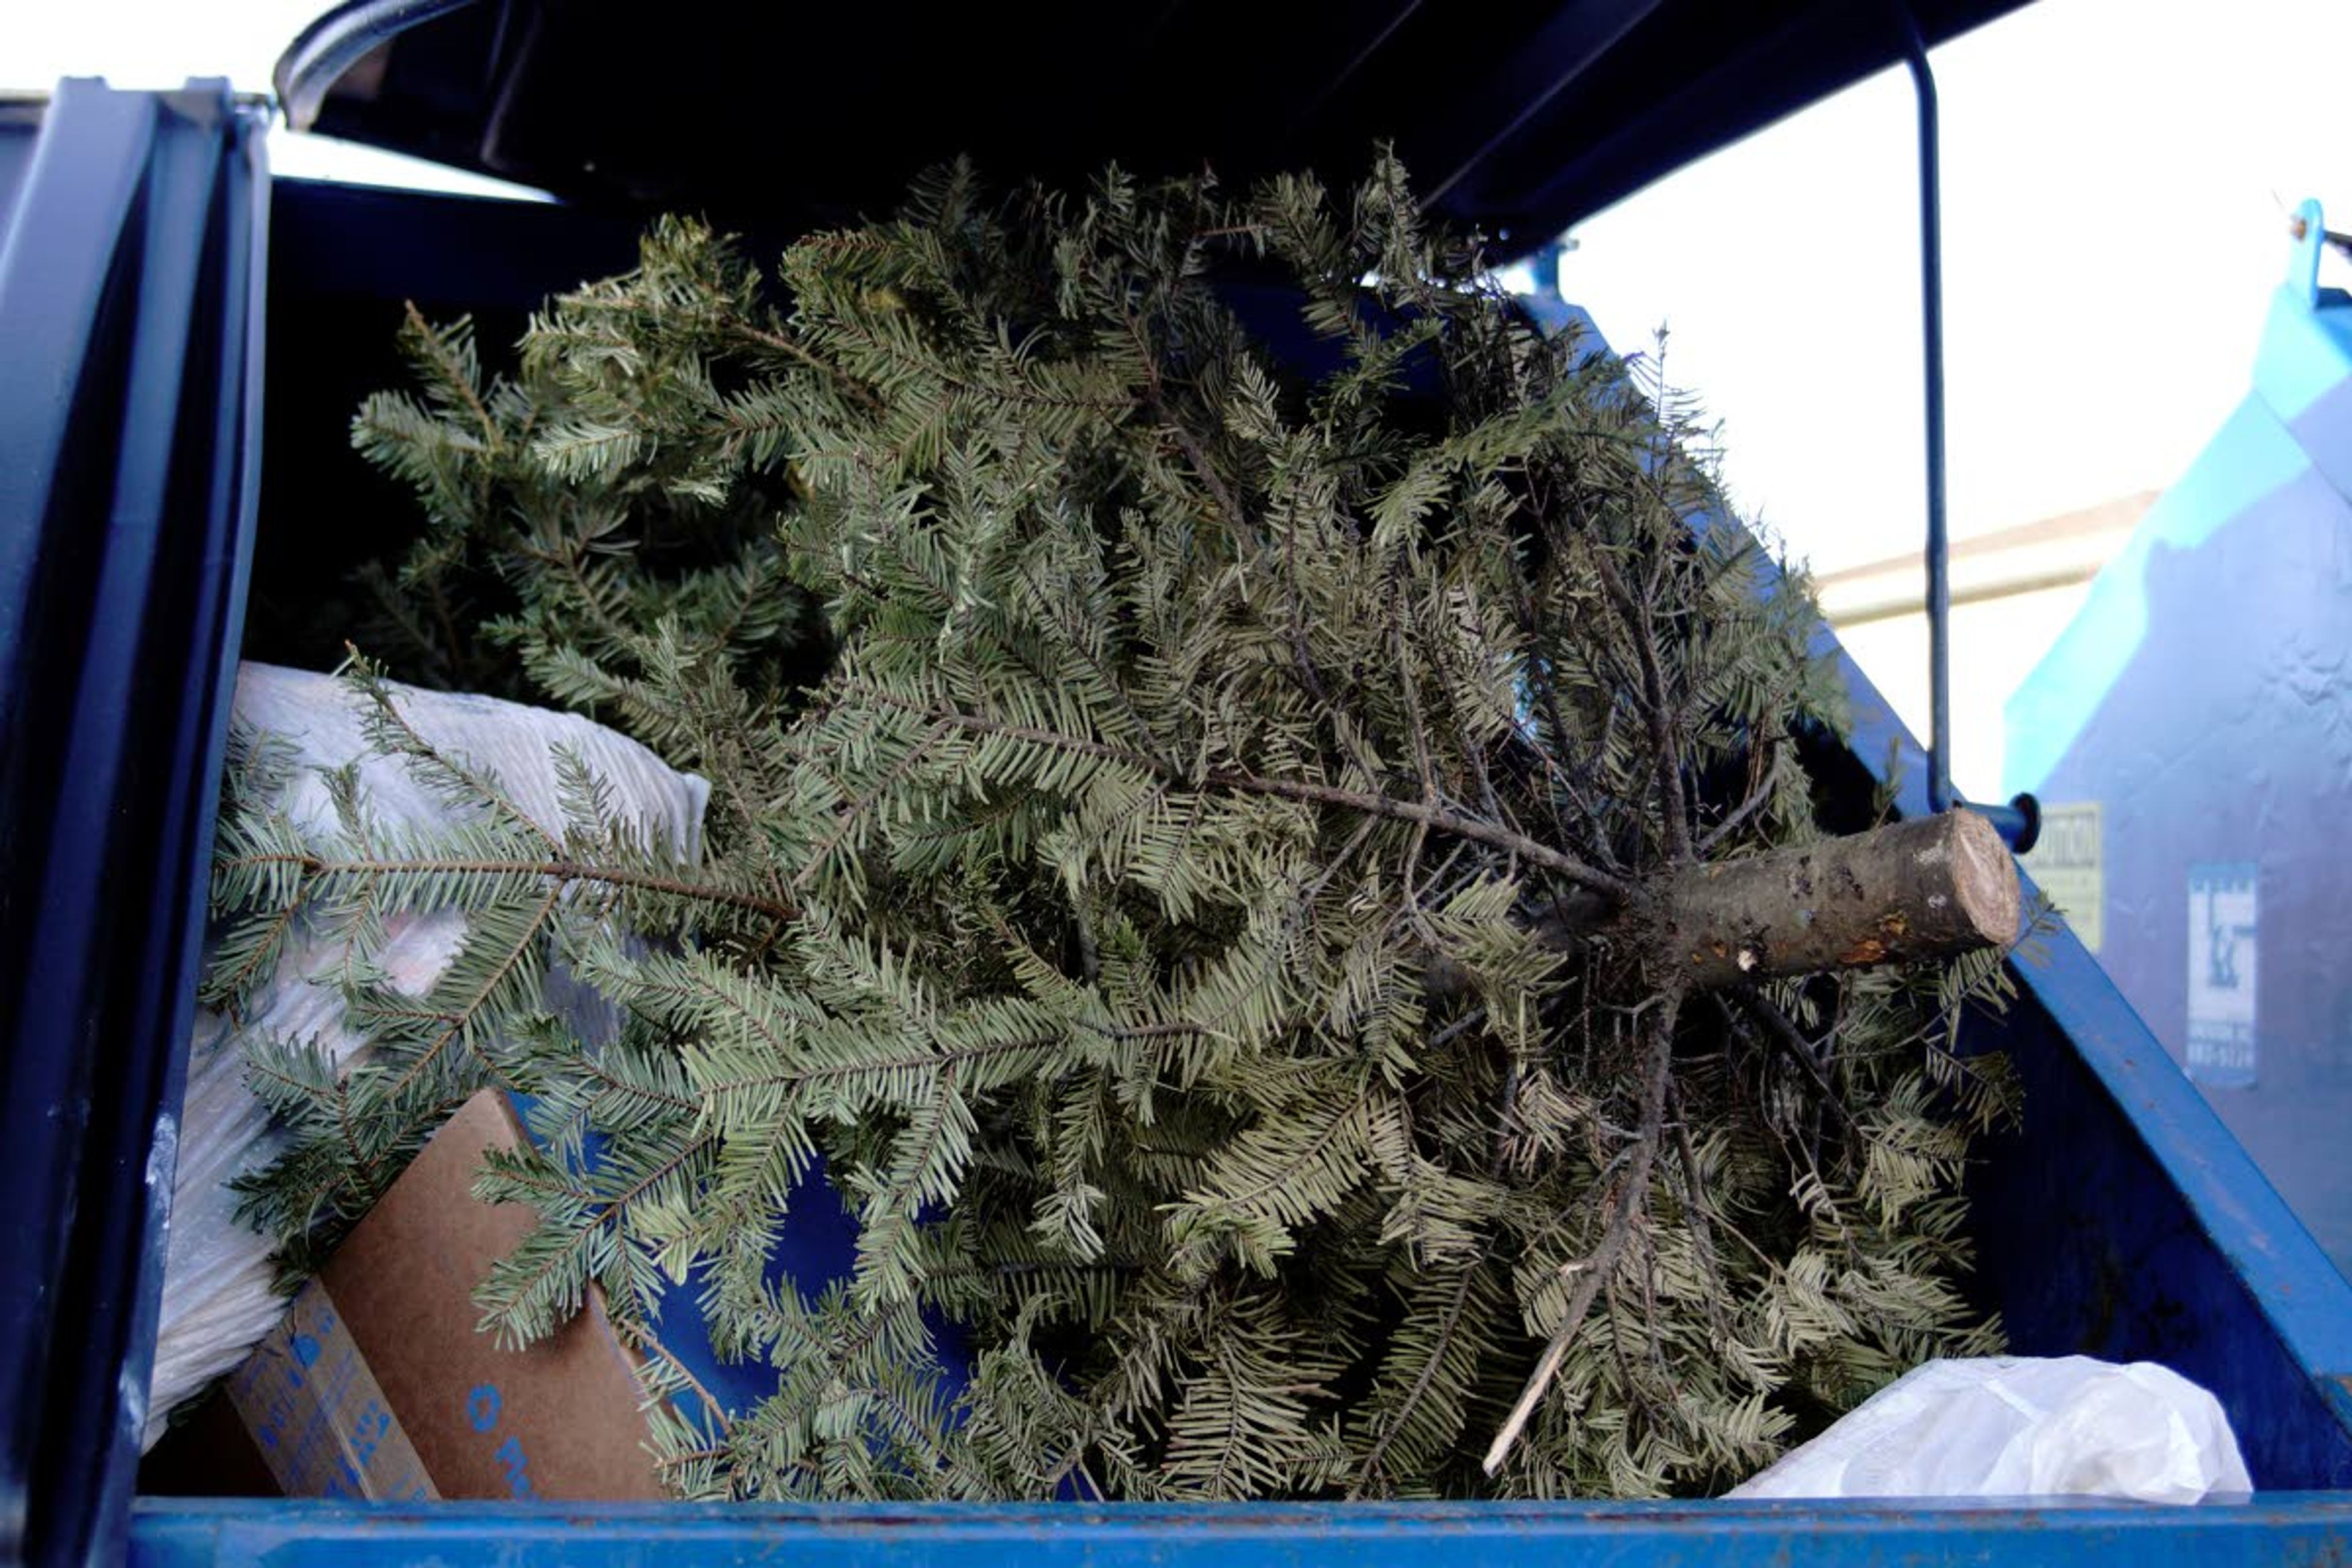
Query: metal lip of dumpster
131	296
2310	1529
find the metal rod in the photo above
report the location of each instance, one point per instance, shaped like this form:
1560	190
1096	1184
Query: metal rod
1931	318
2019	822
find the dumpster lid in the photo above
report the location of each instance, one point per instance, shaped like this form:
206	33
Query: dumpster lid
1535	115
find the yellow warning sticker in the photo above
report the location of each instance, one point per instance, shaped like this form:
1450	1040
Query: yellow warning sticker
2066	863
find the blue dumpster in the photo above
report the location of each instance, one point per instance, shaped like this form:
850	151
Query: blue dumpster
138	461
2192	724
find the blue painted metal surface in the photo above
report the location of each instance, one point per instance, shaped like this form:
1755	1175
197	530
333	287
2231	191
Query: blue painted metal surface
2120	1219
1931	359
130	309
2284	1531
2199	698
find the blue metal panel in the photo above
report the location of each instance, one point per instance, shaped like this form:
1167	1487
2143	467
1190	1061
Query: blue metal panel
130	304
2312	1530
2121	1218
2198	699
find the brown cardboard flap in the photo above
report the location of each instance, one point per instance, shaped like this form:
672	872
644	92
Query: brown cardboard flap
322	1424
560	1419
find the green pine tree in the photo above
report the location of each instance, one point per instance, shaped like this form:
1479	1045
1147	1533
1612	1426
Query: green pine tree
1149	789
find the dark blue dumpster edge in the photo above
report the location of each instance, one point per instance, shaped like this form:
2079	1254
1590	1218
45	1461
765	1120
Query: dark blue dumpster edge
2280	1529
131	306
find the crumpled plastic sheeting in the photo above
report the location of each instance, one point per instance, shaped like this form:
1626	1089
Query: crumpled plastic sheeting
2013	1426
218	1299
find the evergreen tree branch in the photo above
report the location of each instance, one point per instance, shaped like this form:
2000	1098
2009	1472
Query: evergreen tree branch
497	976
1444	821
1739	815
1785	1037
1240	782
453	375
559	871
1657	713
1594	1272
1369	1468
997	584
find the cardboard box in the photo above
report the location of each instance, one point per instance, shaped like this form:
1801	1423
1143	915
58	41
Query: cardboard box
378	1382
322	1424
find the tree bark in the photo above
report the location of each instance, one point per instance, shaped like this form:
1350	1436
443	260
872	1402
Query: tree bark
1933	887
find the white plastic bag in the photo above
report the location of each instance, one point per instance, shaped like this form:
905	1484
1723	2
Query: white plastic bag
2015	1427
218	1299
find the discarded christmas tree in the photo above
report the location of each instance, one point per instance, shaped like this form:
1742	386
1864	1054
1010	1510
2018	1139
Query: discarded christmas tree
1284	913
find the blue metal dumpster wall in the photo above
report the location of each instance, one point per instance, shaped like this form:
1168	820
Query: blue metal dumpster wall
2121	1219
2201	699
2311	1530
129	316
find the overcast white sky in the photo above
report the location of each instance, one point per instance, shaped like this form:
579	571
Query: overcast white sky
2115	177
2114	173
163	43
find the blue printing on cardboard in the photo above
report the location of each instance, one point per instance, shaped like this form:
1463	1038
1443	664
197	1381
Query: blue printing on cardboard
484	1404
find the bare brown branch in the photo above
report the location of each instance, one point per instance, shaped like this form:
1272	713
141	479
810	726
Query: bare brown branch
1593	1273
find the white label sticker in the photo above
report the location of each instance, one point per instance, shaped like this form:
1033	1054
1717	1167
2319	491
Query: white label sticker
2221	952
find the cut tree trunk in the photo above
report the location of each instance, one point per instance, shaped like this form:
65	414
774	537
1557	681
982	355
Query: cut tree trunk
1933	887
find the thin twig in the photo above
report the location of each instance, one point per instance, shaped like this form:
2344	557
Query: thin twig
1780	1032
1412	1395
1239	782
1416	725
852	812
1155	402
1745	808
1658	715
1444	821
654	1347
496	978
1694	1209
455	374
1593	1272
1462	1026
474	778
